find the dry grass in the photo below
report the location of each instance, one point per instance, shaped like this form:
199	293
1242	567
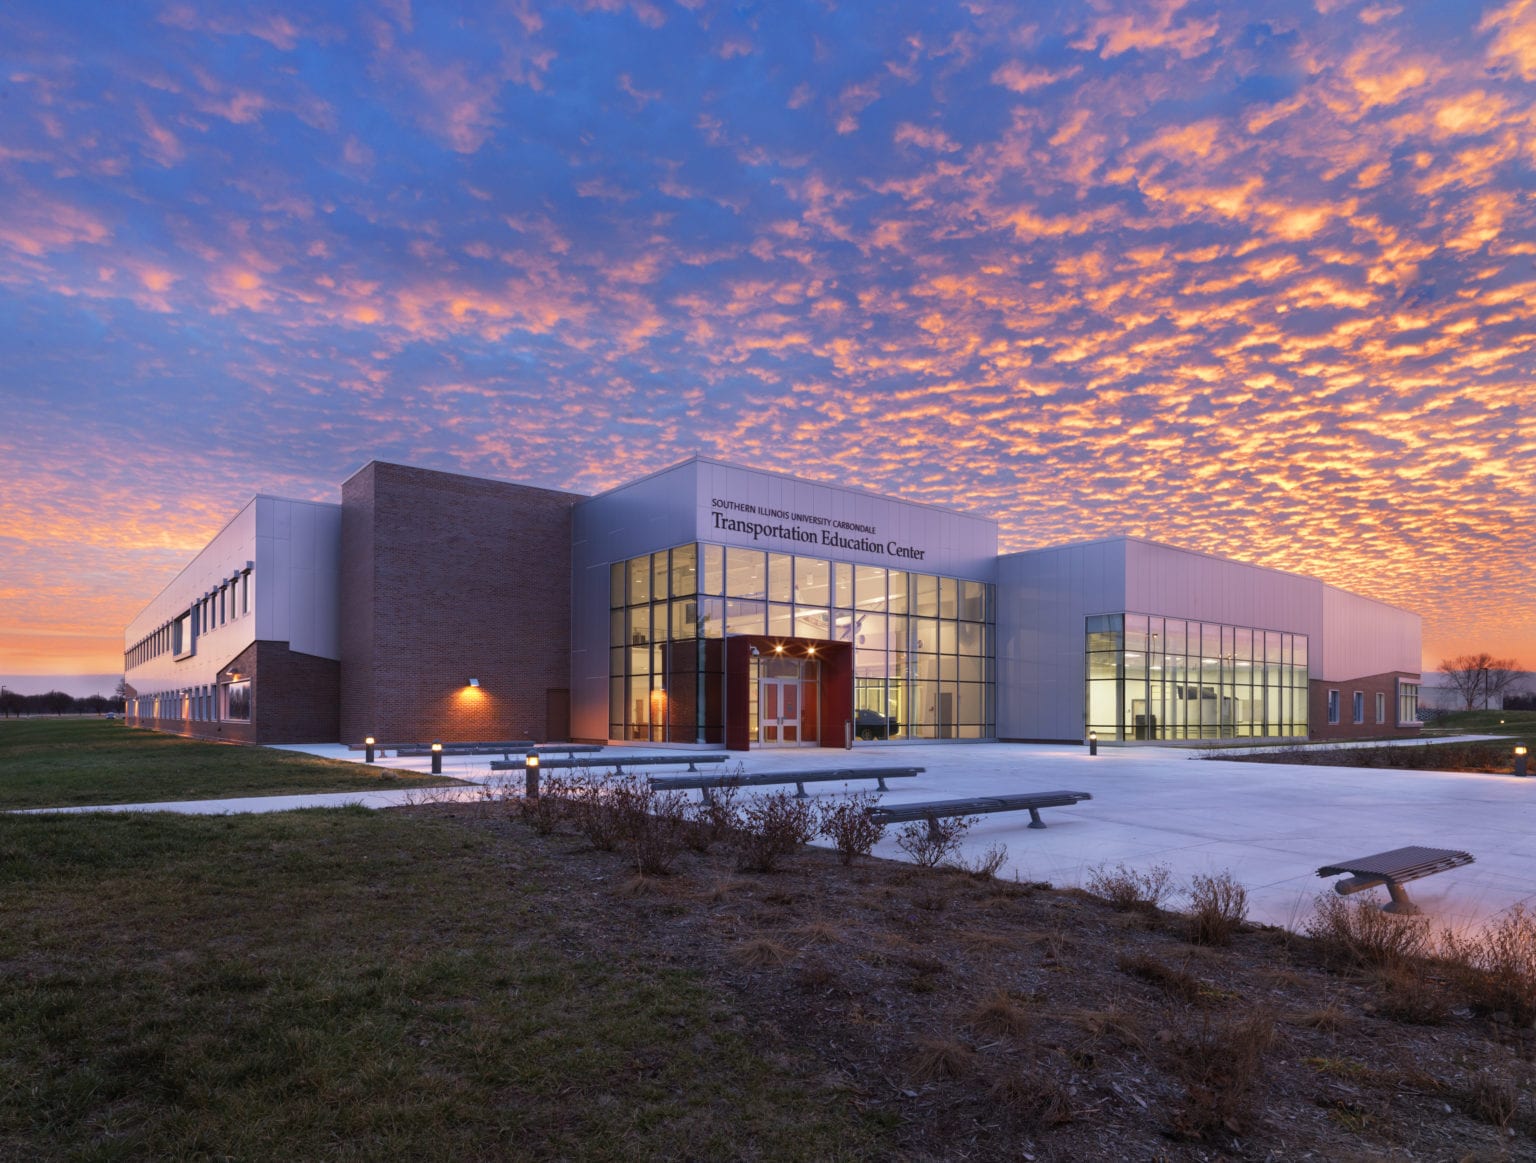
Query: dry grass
1355	934
1218	906
942	1058
1496	968
1001	1015
1129	889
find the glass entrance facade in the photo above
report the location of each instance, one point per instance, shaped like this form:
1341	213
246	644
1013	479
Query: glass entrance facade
922	643
1170	678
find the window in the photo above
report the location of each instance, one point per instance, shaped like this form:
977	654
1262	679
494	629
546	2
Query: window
1333	708
1359	706
1407	702
1381	706
237	703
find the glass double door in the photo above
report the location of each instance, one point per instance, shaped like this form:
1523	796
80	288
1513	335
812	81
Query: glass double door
778	711
787	704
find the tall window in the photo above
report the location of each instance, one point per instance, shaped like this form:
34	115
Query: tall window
1151	677
1381	706
1359	706
1333	708
1407	702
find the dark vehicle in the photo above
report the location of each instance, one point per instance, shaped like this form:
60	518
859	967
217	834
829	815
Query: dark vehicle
869	724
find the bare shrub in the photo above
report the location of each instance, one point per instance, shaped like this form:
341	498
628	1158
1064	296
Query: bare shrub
1410	994
1128	890
1035	1098
652	825
1000	1015
1221	1064
933	841
1354	935
771	826
942	1058
1492	1099
713	818
847	823
985	866
591	808
1496	968
1218	905
547	810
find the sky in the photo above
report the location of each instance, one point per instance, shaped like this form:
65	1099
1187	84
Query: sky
1253	279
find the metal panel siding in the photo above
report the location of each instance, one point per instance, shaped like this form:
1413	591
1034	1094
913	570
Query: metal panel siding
1180	583
589	651
1366	637
1043	596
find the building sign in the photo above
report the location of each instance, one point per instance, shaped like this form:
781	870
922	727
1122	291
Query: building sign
806	529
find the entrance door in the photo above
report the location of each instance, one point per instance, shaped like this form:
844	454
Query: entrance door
778	711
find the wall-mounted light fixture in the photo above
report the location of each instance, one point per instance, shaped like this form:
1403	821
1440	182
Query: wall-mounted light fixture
474	682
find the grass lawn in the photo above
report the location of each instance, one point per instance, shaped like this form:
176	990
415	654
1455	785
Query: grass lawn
1519	725
347	984
51	763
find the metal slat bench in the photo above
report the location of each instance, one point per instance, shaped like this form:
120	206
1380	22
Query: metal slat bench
706	783
1394	869
620	762
936	810
417	750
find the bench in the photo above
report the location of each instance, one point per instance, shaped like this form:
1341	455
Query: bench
936	810
706	783
1393	869
506	747
620	762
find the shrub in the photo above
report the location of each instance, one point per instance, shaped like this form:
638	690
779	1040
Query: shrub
1492	1100
985	866
1351	935
544	812
771	826
1126	889
932	841
713	818
847	823
1218	907
1221	1063
1496	968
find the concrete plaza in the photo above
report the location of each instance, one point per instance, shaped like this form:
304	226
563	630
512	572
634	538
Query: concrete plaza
1270	825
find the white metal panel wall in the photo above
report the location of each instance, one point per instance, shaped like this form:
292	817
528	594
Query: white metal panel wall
223	557
1366	637
296	548
1180	583
1043	596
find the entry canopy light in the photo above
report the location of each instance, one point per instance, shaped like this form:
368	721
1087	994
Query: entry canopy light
474	682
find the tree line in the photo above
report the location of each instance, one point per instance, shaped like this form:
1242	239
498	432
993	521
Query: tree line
13	704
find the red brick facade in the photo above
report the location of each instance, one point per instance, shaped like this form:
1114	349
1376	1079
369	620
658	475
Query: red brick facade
445	578
1370	686
294	699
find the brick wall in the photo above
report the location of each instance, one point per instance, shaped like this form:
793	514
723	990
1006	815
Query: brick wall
1318	726
447	578
295	699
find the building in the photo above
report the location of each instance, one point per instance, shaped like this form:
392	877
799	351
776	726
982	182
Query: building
725	606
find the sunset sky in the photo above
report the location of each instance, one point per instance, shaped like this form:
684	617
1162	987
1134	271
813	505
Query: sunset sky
1255	279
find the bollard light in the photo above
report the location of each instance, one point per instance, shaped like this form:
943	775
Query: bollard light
531	775
1520	760
1093	742
437	757
368	749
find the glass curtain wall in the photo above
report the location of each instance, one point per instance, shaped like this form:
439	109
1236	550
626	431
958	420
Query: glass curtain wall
922	644
1170	678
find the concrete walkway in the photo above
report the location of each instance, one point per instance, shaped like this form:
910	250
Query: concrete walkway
1270	825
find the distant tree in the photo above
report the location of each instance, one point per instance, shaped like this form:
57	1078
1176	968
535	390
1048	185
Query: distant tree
1520	702
11	703
1480	676
55	702
121	693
